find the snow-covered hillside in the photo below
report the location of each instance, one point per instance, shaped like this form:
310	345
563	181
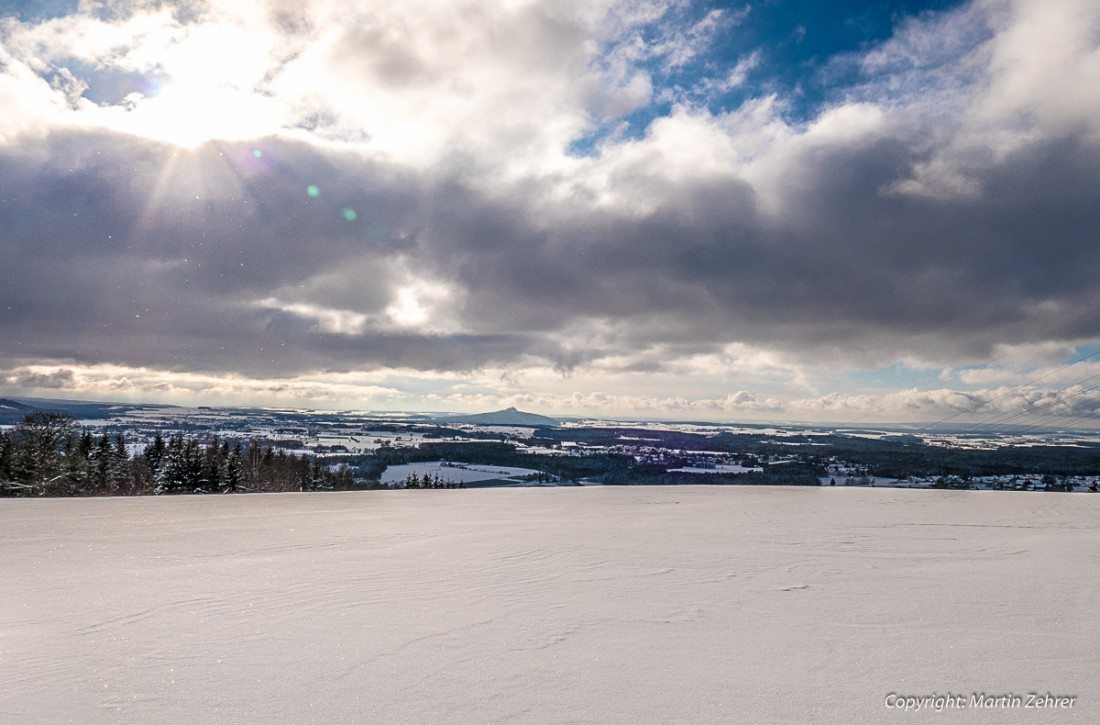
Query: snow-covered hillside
582	605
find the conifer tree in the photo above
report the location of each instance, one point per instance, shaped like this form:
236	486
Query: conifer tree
154	452
121	478
180	467
101	459
76	465
7	451
232	478
42	437
212	467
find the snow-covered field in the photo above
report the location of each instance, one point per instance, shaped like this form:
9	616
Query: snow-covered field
454	472
719	468
562	605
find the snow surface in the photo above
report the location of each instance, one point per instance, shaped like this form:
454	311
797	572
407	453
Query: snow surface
718	468
454	472
564	605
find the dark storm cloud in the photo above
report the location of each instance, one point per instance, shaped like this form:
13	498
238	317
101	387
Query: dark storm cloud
121	251
846	265
129	252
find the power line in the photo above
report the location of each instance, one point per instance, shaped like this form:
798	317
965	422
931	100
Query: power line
1007	392
1027	408
1087	412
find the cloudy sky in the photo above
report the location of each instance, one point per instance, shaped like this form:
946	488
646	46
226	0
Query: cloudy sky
780	210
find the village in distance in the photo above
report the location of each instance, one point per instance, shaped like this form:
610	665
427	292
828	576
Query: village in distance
56	447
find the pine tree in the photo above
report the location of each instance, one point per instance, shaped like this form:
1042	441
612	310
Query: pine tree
154	452
193	466
42	438
212	468
232	478
318	475
6	450
121	479
101	460
180	467
76	465
253	466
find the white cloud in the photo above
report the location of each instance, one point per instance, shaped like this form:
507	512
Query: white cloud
398	389
425	304
716	251
1044	67
337	322
123	383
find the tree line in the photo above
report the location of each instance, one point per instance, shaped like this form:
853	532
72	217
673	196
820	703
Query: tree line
48	454
429	481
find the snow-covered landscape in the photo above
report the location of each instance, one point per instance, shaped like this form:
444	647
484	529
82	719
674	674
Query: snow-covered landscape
547	605
458	473
529	361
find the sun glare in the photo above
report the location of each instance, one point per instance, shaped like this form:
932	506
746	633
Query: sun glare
189	115
212	90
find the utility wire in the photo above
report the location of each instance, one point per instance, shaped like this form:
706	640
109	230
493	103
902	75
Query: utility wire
1086	412
972	408
1027	408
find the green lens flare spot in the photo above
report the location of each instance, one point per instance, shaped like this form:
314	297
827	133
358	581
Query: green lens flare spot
257	153
350	215
313	191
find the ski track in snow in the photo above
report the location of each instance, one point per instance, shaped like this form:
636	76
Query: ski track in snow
563	605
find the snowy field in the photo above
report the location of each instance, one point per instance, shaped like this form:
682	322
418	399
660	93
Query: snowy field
719	468
454	472
563	605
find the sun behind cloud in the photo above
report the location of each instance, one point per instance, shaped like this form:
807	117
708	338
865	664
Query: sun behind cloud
609	207
156	74
212	88
189	114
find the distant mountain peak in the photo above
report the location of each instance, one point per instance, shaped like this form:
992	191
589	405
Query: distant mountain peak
508	416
